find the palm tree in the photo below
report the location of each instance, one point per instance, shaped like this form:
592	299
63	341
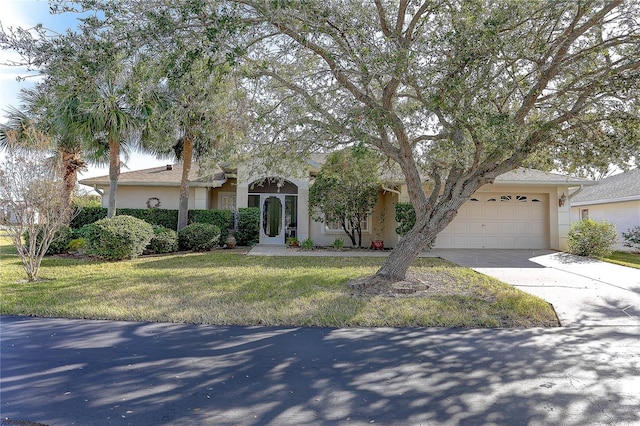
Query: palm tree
41	125
200	121
111	113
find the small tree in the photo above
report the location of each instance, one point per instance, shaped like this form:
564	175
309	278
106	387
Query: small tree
346	190
34	209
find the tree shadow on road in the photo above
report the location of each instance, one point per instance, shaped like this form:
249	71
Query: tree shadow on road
64	371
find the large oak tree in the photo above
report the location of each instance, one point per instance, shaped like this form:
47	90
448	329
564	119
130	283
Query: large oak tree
452	92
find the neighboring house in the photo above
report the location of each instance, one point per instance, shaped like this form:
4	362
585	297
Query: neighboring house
523	209
615	199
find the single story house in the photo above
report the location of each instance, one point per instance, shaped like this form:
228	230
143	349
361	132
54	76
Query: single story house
521	209
615	199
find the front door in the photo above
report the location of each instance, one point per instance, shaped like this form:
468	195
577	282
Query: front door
272	219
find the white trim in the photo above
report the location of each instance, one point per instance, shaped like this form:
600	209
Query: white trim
606	201
338	231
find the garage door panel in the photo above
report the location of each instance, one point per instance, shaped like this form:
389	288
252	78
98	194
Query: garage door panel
471	241
474	227
499	220
507	212
489	211
507	227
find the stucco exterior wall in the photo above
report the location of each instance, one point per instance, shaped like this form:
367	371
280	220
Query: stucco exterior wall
377	229
135	197
625	215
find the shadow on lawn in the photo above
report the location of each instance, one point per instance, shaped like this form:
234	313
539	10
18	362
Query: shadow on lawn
64	371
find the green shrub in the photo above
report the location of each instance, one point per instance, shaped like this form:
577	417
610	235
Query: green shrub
590	238
58	244
87	216
198	237
223	219
248	232
167	218
338	244
119	237
405	218
164	240
307	244
161	217
632	238
77	245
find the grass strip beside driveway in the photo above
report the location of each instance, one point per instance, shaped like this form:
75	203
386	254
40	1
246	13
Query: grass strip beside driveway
227	287
624	258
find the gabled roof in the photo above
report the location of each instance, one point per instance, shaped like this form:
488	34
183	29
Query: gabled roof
621	187
524	176
169	175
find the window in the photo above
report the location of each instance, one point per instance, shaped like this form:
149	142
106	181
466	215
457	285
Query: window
254	201
521	198
584	214
227	201
492	200
505	198
535	200
336	227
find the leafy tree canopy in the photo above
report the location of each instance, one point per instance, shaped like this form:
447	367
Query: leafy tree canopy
346	190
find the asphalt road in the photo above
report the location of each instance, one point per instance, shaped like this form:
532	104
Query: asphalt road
73	372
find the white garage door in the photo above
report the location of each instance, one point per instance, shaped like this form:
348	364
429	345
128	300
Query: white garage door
499	220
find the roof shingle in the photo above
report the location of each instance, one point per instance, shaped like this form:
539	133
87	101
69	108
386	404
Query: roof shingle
620	187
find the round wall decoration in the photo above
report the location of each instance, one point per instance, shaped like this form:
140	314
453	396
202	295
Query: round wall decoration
153	203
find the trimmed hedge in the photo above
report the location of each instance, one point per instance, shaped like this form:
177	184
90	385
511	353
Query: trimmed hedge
164	240
199	237
167	218
119	237
223	219
87	216
248	232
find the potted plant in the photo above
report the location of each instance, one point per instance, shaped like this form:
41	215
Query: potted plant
293	242
230	242
378	244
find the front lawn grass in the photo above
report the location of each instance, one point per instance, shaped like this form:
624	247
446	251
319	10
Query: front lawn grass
226	287
624	258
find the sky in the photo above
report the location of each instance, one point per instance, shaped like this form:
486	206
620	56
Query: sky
26	14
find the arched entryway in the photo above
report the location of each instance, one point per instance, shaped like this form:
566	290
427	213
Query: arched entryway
278	203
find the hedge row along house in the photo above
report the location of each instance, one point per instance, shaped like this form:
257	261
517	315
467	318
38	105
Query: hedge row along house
521	209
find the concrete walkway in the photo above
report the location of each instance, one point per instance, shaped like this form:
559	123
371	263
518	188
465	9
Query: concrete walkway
583	291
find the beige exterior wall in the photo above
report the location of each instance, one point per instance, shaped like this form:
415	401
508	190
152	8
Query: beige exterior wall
624	214
135	197
384	230
214	200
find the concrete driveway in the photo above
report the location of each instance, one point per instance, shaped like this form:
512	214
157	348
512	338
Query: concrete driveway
583	291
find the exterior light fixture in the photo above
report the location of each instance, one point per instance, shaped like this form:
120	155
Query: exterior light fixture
561	200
